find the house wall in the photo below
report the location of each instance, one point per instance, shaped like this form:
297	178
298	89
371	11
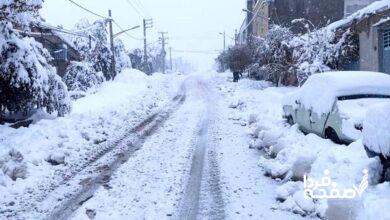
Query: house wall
370	31
368	52
261	23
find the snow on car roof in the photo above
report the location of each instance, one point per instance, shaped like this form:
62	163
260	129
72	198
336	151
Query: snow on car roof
320	90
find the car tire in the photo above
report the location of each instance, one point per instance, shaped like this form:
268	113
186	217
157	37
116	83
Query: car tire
331	134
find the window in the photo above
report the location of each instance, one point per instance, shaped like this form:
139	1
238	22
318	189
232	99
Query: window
386	39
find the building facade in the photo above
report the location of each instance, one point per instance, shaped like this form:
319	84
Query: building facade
374	42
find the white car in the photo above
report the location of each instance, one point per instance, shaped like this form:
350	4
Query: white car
334	104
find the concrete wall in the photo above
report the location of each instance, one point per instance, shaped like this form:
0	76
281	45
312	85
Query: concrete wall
371	41
369	54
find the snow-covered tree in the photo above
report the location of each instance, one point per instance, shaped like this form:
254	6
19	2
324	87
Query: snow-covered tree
27	81
136	58
97	53
122	58
80	76
20	12
273	57
321	50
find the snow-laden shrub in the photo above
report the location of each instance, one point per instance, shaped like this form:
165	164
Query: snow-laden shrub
284	58
376	132
98	53
136	59
237	58
222	61
27	81
320	51
273	57
122	58
80	77
21	12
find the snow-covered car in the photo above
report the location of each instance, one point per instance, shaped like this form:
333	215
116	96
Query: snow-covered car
334	104
376	135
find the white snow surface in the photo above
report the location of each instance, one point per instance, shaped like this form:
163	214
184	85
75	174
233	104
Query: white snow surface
258	159
96	119
321	90
376	132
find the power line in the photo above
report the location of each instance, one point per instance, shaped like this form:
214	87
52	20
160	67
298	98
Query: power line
86	9
135	9
139	3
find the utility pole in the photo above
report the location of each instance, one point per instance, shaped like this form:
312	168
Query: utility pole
163	39
236	37
113	71
148	23
224	39
170	58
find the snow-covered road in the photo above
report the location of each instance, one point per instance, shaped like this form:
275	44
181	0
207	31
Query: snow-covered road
175	147
196	166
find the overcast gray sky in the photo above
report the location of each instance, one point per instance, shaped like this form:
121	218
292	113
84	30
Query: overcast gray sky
192	24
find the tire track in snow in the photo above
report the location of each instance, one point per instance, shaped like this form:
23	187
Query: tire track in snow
203	195
132	143
62	199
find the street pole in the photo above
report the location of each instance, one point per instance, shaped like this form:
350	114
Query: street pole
170	58
145	45
224	41
235	37
164	53
148	23
113	71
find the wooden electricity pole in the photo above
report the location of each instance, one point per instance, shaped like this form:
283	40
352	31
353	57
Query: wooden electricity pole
163	39
148	23
113	71
170	58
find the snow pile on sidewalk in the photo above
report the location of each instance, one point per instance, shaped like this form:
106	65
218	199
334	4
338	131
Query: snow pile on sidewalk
288	155
38	155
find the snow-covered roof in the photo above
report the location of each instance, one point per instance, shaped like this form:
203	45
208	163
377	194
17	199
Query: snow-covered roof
374	8
320	90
